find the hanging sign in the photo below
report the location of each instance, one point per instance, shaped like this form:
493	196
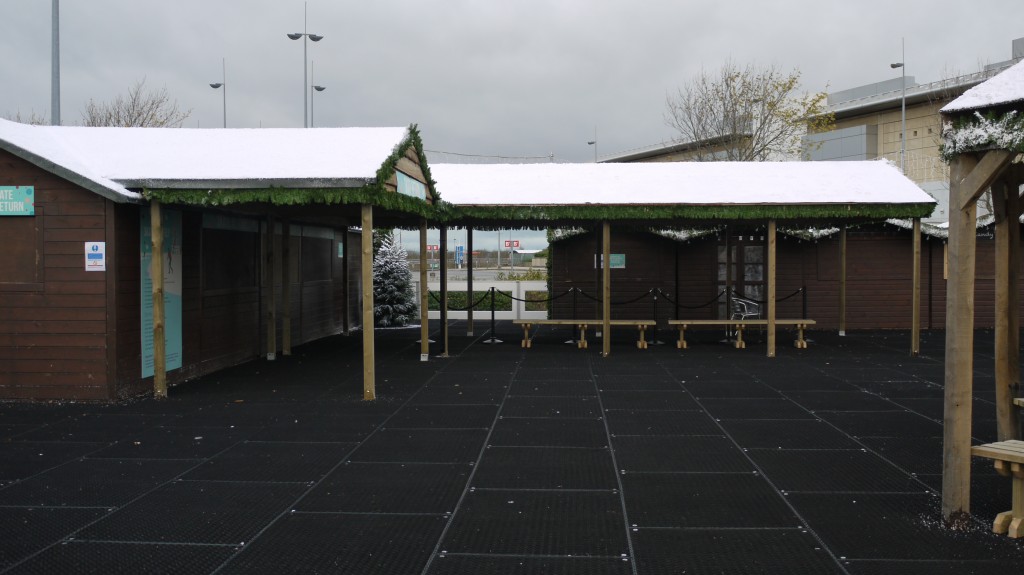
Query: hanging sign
95	256
17	201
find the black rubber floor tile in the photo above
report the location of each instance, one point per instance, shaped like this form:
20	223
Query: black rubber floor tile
458	395
920	455
791	434
880	526
320	427
676	400
751	389
661	423
906	389
933	407
700	552
23	459
564	372
9	431
692	454
389	488
639	382
543	432
803	383
926	567
444	416
105	428
545	468
696	500
571	407
826	470
884	424
126	558
762	408
262	461
422	446
171	443
841	401
496	565
559	388
538	523
25	530
302	543
234	415
93	482
212	512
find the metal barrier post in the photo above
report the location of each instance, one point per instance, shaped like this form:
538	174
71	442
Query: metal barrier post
492	339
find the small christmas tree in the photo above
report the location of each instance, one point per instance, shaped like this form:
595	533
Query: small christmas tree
394	302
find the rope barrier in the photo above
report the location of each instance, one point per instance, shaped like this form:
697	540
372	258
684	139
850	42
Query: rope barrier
679	305
550	299
474	306
777	300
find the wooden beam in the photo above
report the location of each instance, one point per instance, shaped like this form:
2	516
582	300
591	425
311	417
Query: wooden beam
770	299
366	262
1005	201
286	288
956	447
842	280
443	250
271	279
469	281
980	178
915	294
346	312
606	288
424	296
156	235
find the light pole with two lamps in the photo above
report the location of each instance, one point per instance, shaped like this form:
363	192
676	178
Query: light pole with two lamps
305	81
903	106
223	84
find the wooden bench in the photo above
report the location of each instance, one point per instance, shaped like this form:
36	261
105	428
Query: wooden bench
581	325
1009	461
738	325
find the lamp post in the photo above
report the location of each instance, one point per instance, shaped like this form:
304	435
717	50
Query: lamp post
223	84
305	82
316	88
903	106
594	143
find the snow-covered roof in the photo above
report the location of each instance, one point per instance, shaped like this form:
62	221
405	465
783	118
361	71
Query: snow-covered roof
677	183
111	161
1005	88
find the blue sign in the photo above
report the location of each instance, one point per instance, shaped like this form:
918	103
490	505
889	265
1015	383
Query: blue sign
17	201
460	255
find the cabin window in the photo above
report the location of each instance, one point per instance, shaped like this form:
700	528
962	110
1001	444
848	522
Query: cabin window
21	267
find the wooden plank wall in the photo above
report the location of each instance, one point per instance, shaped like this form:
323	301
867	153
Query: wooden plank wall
53	331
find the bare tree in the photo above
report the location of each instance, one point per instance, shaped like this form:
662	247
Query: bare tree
139	108
31	118
748	114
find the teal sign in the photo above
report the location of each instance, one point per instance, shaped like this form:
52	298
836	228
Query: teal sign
17	201
173	284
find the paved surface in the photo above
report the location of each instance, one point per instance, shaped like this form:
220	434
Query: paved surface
502	460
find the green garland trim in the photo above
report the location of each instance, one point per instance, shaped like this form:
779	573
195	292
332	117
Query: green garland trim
976	132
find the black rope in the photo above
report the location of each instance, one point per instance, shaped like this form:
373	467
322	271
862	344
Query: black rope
475	304
624	302
553	298
679	305
777	300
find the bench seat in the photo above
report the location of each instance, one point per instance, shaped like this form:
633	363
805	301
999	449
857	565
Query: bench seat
739	325
1009	461
582	325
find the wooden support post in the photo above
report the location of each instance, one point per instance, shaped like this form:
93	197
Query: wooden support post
271	279
606	288
772	264
424	296
443	250
915	295
369	359
286	288
469	281
956	460
345	260
156	234
842	280
1005	202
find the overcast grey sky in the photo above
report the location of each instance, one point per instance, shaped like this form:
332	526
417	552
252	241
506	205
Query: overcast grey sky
520	78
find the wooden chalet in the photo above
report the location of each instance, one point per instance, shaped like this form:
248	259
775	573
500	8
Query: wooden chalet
86	213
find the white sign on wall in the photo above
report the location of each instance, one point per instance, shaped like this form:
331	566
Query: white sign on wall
95	256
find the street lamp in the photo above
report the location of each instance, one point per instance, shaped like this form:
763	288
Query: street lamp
594	143
312	74
305	82
223	84
903	106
